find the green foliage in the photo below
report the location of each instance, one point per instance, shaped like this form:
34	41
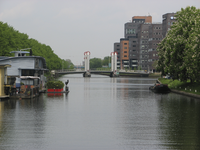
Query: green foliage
55	84
185	86
179	50
106	61
140	68
11	40
95	63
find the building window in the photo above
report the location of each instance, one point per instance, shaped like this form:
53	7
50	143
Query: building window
130	31
125	47
125	55
125	51
134	45
125	43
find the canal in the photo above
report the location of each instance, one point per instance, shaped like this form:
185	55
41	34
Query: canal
101	113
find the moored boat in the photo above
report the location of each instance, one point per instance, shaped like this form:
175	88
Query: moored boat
160	88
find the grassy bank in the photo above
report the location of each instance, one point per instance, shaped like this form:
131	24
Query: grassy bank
182	86
156	75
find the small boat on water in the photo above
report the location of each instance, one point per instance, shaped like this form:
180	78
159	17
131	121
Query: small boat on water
160	88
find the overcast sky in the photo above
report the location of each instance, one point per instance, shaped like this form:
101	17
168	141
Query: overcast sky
72	27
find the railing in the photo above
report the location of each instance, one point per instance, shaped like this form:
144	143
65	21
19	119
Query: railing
101	69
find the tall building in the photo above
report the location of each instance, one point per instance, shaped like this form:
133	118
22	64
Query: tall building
168	20
124	53
131	57
117	49
141	37
155	37
130	33
142	19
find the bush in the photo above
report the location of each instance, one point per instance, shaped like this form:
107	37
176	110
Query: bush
55	84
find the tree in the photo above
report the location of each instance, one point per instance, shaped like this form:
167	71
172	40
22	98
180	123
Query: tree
179	51
106	61
11	40
155	63
95	63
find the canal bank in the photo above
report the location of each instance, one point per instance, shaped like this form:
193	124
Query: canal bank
182	92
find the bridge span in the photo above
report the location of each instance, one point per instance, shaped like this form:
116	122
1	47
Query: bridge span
113	72
104	72
100	72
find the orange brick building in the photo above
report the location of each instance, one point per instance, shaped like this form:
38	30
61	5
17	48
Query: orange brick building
142	19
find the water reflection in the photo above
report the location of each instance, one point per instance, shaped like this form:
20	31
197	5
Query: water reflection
179	121
24	119
102	113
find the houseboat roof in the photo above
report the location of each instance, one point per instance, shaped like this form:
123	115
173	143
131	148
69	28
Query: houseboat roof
33	69
5	65
29	77
2	58
22	52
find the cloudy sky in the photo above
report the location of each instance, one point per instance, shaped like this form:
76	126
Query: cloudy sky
72	27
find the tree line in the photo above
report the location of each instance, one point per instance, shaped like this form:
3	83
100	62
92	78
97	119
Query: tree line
11	40
99	63
179	51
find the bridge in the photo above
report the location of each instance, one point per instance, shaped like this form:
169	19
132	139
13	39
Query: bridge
104	72
113	72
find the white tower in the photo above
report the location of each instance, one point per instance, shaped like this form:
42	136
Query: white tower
115	61
112	61
87	60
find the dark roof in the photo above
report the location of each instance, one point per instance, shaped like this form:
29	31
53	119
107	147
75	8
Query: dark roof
3	57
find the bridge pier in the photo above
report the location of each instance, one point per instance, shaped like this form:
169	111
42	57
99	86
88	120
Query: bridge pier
86	74
114	74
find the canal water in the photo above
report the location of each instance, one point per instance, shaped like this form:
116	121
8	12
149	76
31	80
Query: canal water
101	113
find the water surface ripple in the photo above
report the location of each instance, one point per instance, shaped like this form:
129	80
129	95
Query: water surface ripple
101	113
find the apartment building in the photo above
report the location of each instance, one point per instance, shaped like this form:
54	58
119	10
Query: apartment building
137	50
167	22
155	37
130	33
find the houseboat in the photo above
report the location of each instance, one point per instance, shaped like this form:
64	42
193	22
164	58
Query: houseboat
3	81
27	70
